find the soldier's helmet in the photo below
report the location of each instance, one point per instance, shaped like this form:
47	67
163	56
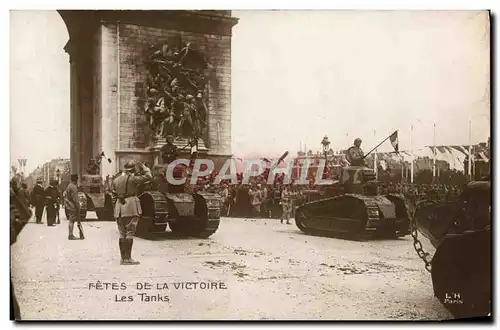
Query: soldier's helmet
129	166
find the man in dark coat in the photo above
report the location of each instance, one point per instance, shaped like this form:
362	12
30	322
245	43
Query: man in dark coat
25	191
51	200
20	213
38	200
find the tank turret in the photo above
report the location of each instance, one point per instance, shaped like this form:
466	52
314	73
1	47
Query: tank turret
354	178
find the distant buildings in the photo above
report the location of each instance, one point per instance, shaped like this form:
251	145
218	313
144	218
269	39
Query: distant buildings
49	171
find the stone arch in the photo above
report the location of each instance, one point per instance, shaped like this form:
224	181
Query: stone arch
105	51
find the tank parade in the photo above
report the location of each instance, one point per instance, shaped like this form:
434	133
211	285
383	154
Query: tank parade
314	168
352	206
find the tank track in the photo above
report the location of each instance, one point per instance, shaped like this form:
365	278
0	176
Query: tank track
194	227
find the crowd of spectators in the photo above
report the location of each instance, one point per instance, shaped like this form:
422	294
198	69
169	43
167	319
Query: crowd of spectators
257	199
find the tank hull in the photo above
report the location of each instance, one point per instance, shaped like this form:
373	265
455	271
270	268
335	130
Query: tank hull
354	215
101	204
195	215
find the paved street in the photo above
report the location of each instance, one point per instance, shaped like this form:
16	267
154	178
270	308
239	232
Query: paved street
271	271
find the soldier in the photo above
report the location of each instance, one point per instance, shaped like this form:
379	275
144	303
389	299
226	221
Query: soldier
355	155
128	208
255	193
286	204
38	200
92	167
169	151
72	205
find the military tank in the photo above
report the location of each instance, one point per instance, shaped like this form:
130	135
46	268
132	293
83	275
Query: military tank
461	233
97	198
195	213
93	192
354	208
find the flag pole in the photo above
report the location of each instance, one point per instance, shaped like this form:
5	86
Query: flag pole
375	164
434	153
412	155
469	169
378	145
402	169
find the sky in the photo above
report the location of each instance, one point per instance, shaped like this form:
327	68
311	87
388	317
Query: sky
296	77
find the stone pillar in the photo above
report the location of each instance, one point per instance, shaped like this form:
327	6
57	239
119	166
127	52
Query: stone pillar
75	113
109	115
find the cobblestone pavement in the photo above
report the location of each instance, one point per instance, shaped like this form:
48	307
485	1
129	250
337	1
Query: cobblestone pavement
271	271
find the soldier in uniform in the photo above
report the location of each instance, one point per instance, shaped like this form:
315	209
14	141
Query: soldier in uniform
286	204
72	205
169	150
92	167
128	207
355	155
38	200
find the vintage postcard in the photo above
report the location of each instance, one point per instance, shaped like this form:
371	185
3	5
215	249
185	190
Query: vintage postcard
250	165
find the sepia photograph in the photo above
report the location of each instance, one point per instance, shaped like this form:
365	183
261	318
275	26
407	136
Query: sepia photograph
258	165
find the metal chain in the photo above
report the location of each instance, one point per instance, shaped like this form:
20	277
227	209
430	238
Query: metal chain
416	242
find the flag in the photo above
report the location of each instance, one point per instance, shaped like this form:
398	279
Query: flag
394	140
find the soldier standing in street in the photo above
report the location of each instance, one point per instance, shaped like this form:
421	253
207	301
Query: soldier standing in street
72	205
286	204
38	200
355	155
128	208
